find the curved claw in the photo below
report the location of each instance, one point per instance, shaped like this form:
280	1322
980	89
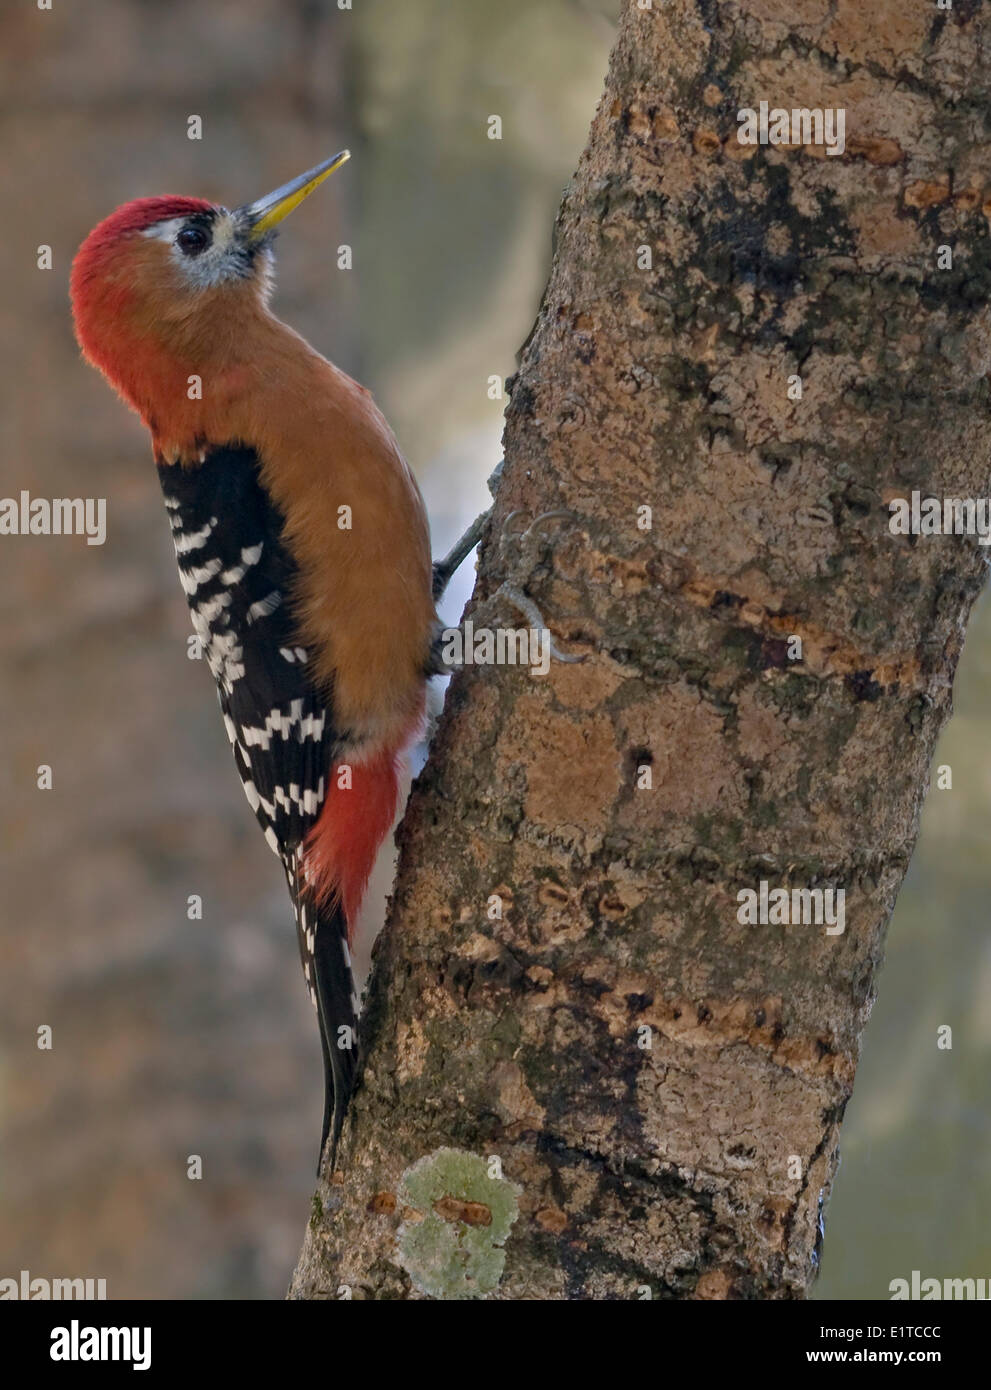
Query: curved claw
559	655
557	512
532	535
506	533
554	514
532	613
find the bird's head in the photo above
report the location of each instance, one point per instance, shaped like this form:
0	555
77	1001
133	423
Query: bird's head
162	282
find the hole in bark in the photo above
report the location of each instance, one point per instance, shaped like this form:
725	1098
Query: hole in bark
774	652
723	598
864	686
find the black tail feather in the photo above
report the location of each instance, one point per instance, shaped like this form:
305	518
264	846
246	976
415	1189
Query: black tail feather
323	948
338	1025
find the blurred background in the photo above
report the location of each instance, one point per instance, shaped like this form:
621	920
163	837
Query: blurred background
173	1036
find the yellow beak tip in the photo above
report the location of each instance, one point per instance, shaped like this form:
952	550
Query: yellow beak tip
269	211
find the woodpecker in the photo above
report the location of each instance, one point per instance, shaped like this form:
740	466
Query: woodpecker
302	544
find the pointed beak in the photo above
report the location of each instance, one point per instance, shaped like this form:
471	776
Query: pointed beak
269	211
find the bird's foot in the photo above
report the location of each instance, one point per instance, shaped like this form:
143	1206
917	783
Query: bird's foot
525	605
450	650
446	569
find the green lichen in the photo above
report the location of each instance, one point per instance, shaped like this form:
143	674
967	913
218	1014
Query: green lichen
448	1258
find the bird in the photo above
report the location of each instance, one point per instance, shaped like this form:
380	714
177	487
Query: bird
303	548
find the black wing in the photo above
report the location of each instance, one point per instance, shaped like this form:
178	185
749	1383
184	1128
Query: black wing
239	580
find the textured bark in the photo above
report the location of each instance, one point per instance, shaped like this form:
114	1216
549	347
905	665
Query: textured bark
519	1038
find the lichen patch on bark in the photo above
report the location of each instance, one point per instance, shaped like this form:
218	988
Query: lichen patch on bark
460	1216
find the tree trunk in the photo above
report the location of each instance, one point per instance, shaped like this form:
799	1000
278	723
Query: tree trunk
617	1085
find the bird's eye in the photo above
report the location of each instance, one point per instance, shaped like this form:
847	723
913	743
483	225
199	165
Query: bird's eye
192	240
